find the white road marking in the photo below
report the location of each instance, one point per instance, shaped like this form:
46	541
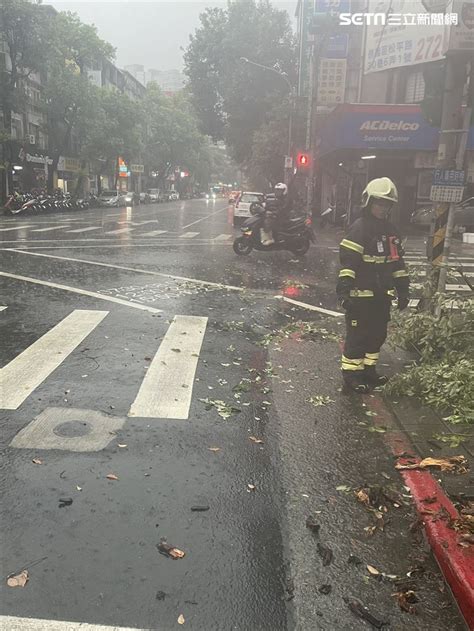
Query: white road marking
167	388
451	273
21	227
452	263
304	305
129	269
49	229
138	223
30	368
12	623
223	237
119	231
2	308
82	292
41	433
88	229
154	233
448	287
189	235
204	218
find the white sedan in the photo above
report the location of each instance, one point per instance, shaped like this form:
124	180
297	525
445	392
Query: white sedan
242	205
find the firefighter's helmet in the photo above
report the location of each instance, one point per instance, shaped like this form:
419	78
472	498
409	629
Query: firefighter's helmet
380	188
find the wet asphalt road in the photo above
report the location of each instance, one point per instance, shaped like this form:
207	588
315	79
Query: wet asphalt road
249	561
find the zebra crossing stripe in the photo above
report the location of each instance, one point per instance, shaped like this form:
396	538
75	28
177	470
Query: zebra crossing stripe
49	229
12	623
30	368
167	388
21	227
78	230
223	237
154	233
189	235
119	231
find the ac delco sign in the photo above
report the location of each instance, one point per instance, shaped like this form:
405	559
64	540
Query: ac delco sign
386	125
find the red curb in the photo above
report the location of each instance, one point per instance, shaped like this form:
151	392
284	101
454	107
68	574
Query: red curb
456	563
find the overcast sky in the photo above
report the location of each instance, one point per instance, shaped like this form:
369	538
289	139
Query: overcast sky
149	33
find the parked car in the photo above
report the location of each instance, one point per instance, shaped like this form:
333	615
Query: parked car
243	203
154	195
463	217
173	196
144	198
109	199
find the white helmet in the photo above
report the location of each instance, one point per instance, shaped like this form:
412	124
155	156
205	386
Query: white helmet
280	189
380	188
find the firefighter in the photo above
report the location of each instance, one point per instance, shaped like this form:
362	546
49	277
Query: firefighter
372	274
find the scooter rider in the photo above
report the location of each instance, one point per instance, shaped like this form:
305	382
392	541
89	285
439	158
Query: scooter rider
373	271
276	211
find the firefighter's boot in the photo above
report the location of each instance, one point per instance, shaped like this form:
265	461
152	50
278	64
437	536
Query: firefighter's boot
356	381
372	377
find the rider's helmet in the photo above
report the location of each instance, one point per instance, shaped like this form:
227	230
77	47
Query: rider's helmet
380	188
280	190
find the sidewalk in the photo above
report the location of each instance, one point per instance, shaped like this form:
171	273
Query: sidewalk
335	461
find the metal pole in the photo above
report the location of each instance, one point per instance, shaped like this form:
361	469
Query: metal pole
447	153
309	130
452	207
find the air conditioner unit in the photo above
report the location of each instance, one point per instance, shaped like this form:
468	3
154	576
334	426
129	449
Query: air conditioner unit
32	139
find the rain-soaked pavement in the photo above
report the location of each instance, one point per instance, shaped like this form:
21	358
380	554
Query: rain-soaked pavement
225	460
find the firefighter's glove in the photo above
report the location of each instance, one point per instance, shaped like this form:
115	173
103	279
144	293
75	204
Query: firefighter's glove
402	302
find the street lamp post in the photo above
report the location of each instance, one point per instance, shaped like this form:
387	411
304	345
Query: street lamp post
283	76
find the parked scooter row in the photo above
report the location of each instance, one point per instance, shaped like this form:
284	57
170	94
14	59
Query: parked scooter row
30	204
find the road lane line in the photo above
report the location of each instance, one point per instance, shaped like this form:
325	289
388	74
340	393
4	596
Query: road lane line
189	235
167	388
82	292
17	227
204	218
304	305
119	231
12	623
88	229
49	229
129	269
223	237
29	369
154	233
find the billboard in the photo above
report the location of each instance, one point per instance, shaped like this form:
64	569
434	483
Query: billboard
406	40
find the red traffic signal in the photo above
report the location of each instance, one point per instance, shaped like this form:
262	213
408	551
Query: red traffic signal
303	161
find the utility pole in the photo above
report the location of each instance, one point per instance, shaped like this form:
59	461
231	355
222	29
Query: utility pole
450	156
309	133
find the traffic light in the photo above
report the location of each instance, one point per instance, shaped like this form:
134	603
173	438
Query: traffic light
303	162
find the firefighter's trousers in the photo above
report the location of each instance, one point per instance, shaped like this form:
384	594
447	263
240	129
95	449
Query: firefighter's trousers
366	331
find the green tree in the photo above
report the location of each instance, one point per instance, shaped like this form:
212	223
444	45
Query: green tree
22	27
234	99
70	96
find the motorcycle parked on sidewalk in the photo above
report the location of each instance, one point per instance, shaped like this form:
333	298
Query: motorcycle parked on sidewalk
296	235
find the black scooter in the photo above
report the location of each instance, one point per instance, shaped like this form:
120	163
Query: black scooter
296	235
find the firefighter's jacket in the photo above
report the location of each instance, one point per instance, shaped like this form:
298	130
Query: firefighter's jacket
372	261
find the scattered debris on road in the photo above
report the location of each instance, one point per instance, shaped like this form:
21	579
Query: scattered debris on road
224	409
325	589
453	464
214	449
181	619
312	524
169	551
37	461
18	580
325	553
200	509
65	501
258	441
111	476
406	599
362	612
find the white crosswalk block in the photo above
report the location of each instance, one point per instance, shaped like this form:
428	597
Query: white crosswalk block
119	231
20	227
50	229
29	369
154	233
88	229
223	237
167	388
189	235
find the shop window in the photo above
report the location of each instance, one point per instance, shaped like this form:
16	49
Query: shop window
415	87
17	128
424	184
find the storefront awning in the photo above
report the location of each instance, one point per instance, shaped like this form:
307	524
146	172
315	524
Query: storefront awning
386	127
